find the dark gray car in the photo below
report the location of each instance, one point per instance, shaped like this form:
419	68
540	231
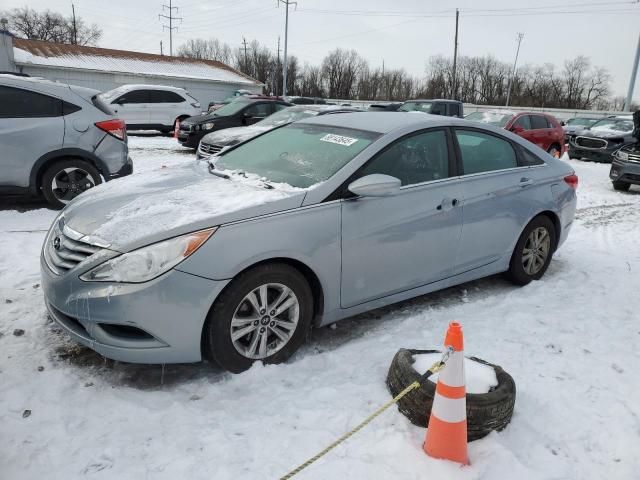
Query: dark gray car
625	168
57	140
600	141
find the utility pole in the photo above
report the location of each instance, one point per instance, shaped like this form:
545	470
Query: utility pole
75	29
513	73
171	18
455	59
632	80
278	65
161	48
246	63
286	41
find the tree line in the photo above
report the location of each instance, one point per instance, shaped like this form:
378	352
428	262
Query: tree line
345	74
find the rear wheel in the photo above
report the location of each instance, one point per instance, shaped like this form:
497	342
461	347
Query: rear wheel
533	252
65	180
621	186
554	151
263	315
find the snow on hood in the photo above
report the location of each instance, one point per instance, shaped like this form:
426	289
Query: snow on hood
602	132
135	211
231	136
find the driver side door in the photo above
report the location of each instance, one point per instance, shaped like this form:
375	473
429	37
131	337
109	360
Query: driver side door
395	243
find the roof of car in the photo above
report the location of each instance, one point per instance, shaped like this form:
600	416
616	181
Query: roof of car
443	100
381	122
323	108
147	86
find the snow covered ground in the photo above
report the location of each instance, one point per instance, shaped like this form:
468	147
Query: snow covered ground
571	341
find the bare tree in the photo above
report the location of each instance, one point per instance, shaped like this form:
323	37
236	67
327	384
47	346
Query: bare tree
51	26
210	49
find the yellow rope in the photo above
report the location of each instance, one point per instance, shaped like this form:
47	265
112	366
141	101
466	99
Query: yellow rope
434	368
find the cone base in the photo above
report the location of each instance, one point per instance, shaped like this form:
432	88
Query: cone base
447	440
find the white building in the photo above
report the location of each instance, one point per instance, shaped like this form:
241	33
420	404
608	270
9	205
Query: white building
103	69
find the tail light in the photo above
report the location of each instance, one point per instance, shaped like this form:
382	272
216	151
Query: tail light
572	181
117	128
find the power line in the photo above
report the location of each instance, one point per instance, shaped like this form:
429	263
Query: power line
171	18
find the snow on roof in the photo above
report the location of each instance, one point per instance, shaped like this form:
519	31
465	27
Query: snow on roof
48	54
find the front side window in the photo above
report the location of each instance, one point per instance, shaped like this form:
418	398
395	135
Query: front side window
524	121
260	110
482	152
424	107
419	158
279	106
538	122
19	103
299	155
230	109
454	110
164	96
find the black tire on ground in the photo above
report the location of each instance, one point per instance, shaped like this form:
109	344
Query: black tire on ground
554	150
54	169
516	272
621	186
485	412
216	339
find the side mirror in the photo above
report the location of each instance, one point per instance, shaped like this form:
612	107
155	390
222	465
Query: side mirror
562	124
517	129
375	185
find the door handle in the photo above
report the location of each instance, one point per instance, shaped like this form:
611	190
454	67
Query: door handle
525	182
447	204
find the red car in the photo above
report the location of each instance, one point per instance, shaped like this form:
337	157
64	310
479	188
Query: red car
539	128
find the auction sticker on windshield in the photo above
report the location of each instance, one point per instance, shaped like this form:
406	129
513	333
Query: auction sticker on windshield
339	139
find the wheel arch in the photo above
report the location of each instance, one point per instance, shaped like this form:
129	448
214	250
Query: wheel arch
48	159
551	215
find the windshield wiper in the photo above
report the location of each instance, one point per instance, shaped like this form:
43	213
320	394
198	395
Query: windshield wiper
213	171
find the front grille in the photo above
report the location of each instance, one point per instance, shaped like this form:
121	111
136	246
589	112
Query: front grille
65	248
185	128
209	149
588	142
634	157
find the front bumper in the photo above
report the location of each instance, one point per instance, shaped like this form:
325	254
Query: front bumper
627	172
190	139
605	156
159	321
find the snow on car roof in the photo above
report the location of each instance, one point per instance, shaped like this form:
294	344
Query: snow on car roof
381	122
32	52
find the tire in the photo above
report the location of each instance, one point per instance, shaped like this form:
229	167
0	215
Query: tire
218	345
518	272
621	186
485	412
79	174
554	151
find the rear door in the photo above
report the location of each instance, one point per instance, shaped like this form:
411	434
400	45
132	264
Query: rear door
496	198
542	133
31	125
164	107
402	241
132	107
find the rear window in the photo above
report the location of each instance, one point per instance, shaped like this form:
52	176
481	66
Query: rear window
19	103
101	105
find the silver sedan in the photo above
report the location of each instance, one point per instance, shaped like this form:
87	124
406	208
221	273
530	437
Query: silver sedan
297	228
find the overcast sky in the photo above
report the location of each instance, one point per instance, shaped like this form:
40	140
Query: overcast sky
403	33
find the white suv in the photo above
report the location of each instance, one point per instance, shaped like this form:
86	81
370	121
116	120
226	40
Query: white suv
151	107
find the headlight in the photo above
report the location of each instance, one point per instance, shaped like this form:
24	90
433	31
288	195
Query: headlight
207	126
149	262
620	155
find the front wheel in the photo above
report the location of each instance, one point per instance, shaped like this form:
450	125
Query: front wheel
65	180
533	252
263	315
554	151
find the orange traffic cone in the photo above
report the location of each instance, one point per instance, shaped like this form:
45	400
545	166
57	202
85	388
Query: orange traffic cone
176	128
447	433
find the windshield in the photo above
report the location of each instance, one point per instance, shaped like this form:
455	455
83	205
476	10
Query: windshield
585	122
493	118
424	107
287	115
229	109
299	155
616	124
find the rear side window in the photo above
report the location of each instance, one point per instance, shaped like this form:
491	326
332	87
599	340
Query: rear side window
454	110
484	153
419	158
258	110
528	159
69	108
135	96
164	96
524	121
439	109
538	122
19	103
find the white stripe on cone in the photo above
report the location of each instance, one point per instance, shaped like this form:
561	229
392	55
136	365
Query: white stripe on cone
449	409
453	373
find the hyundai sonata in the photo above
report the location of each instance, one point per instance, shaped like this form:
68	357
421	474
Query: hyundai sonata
302	226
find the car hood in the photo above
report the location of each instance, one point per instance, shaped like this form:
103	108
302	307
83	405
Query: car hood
129	213
234	135
602	133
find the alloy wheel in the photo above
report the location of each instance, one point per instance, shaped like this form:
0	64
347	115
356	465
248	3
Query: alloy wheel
264	321
536	250
71	182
